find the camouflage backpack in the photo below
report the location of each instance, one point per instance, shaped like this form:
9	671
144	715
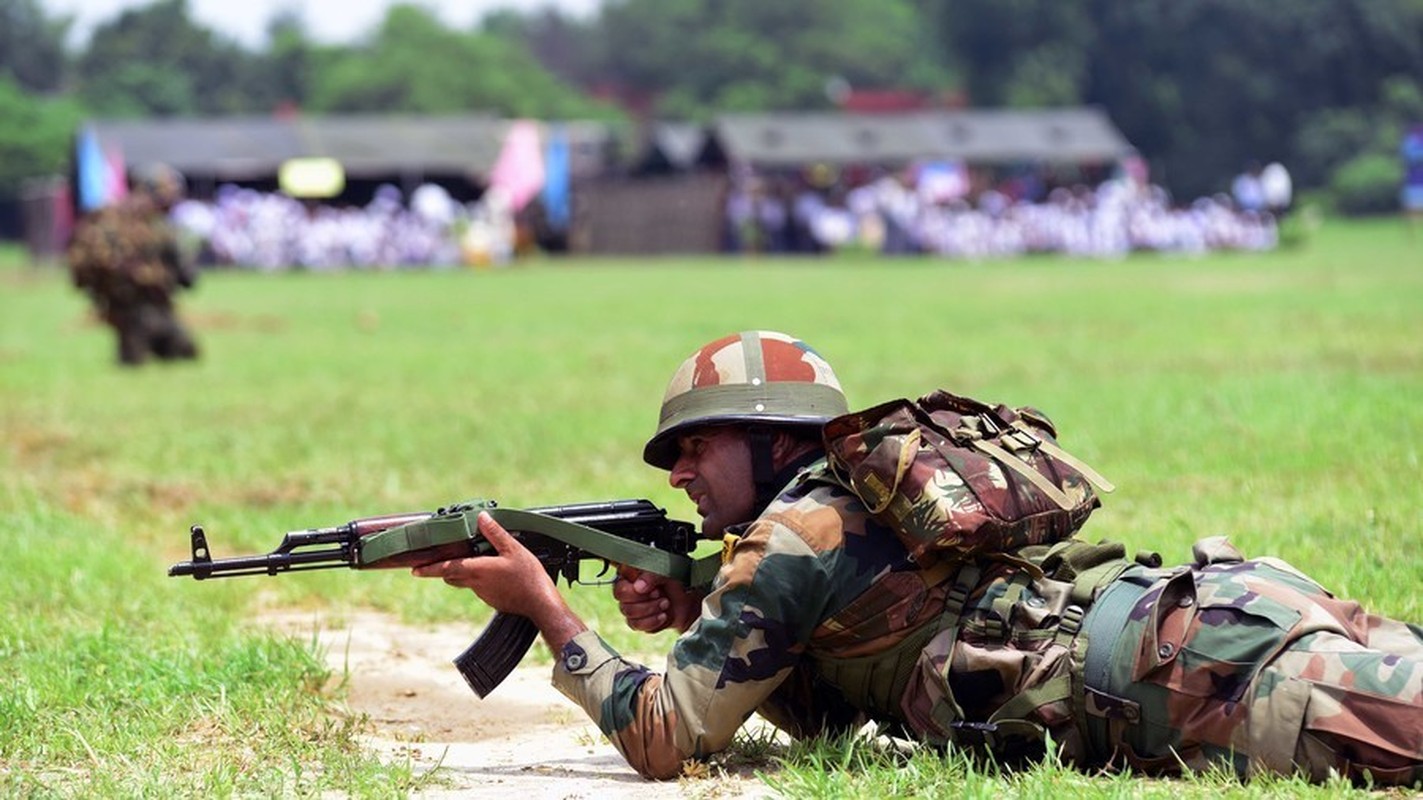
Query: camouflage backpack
953	475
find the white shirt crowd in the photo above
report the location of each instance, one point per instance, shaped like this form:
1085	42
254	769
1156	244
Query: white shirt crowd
268	231
891	215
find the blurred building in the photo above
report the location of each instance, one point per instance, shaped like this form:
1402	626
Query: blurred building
669	195
456	152
674	197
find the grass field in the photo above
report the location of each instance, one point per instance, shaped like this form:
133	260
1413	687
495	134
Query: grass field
1271	397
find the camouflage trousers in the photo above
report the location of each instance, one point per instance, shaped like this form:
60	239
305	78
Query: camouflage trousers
1252	666
149	329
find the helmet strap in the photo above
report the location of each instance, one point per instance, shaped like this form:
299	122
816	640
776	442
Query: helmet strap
763	464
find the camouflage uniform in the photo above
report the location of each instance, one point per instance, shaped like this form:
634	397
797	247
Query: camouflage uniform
819	620
126	258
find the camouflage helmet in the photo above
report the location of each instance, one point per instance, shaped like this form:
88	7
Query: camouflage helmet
163	183
753	376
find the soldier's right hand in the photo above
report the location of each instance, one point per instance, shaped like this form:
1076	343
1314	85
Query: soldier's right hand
652	603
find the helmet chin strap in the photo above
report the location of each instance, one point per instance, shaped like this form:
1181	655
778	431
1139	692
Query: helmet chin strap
763	465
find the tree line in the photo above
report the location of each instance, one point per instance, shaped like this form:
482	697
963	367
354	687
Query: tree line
1201	87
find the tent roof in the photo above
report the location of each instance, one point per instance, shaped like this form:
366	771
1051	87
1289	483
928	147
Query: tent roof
1066	135
678	142
248	147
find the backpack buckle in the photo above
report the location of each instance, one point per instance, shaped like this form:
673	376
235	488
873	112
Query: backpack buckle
974	734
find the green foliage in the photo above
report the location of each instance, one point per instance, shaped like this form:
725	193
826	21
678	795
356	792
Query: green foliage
32	46
154	60
35	133
1330	137
281	75
1267	72
1368	184
1201	87
855	767
1020	52
1345	149
566	46
696	58
413	63
108	692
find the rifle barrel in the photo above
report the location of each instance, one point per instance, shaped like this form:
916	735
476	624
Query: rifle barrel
268	564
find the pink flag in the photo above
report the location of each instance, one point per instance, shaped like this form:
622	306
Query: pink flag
519	170
117	178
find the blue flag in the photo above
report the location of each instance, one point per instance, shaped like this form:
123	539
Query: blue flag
92	170
556	198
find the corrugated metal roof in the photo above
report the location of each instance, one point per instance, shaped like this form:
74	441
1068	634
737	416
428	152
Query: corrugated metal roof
236	148
1073	135
382	144
249	147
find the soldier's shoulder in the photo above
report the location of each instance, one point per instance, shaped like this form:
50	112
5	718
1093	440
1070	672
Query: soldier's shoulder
819	515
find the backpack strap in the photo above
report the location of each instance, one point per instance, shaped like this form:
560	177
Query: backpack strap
1073	461
948	714
1098	701
1006	459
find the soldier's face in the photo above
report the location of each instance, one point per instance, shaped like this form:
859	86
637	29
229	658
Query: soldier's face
714	468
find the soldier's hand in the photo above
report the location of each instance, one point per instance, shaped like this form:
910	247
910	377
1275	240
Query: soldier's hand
511	579
652	603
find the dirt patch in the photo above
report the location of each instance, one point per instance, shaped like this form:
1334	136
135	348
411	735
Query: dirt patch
524	740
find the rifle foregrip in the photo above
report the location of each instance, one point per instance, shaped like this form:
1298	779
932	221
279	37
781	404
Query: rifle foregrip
486	663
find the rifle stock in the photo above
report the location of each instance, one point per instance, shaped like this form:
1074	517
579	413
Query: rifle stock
626	532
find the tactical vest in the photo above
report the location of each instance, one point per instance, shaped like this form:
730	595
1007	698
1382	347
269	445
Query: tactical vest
1071	580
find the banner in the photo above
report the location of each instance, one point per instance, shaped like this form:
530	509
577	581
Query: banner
518	173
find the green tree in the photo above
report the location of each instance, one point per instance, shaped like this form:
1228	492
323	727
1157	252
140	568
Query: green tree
155	60
697	58
35	133
32	45
414	64
282	74
1023	53
564	45
1207	85
1201	87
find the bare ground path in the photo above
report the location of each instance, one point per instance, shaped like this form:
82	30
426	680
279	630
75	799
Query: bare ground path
524	740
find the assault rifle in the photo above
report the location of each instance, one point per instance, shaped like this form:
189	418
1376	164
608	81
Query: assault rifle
633	533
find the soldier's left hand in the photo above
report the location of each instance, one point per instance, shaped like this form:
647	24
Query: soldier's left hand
510	580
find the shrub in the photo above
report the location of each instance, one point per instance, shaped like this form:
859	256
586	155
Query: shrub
1366	184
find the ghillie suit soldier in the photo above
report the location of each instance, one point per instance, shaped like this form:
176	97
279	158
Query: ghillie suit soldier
126	258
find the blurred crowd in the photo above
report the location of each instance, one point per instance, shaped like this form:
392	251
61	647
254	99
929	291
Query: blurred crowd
931	210
271	231
928	209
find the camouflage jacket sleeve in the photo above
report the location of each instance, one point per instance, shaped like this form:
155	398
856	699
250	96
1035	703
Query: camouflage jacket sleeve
754	628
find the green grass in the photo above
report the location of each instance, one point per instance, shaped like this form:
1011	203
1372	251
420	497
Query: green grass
1270	397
